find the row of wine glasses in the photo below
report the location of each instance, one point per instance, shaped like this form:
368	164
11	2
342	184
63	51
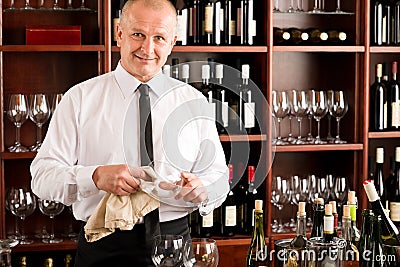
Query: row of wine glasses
171	250
22	203
55	6
295	189
312	104
319	7
39	109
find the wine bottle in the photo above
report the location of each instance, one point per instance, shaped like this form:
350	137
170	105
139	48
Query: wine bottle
379	177
228	210
48	262
22	261
376	256
247	107
328	223
248	209
336	37
222	104
385	73
394	102
350	251
68	260
300	240
387	20
364	245
335	218
316	36
209	22
195	22
352	202
207	89
175	68
229	25
297	36
395	196
318	218
378	209
117	10
377	20
182	10
378	111
166	70
257	254
281	36
246	29
241	198
371	163
396	29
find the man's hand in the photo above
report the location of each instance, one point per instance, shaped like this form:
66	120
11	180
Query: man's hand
118	179
193	189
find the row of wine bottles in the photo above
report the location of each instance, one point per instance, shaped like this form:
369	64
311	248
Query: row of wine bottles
234	216
385	99
232	100
33	260
388	189
209	22
310	36
385	22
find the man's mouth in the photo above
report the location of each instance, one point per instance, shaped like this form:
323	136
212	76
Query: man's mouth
144	57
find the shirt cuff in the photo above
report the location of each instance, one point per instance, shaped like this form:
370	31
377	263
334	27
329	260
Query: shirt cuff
84	181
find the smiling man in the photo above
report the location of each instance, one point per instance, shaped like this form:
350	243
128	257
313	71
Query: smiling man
93	143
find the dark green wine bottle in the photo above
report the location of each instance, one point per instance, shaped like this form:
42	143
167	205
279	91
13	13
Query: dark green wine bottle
376	257
351	252
257	254
363	247
318	219
328	223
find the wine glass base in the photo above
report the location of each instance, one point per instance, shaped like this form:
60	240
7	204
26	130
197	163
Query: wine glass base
18	148
339	141
36	147
52	240
25	241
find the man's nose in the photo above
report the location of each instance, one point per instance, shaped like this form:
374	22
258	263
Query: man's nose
147	46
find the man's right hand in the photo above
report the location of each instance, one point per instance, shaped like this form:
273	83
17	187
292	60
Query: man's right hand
118	179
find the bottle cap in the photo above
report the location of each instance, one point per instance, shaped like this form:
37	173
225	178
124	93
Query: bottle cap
319	200
328	209
185	71
342	36
333	203
258	204
379	70
324	36
346	211
397	154
370	189
245	71
250	174
286	36
394	67
205	72
351	198
302	209
379	154
219	71
304	36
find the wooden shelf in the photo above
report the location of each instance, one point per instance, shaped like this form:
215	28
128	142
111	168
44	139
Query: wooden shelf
338	49
22	155
38	246
326	147
384	49
214	49
52	48
377	135
244	138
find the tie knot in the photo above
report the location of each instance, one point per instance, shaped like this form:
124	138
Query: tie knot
143	89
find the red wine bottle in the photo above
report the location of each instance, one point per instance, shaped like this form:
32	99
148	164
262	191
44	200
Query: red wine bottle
395	196
378	104
394	100
228	210
377	20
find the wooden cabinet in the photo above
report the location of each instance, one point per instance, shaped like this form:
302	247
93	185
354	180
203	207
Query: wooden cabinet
55	68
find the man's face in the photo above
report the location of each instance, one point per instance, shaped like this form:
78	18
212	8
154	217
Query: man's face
146	38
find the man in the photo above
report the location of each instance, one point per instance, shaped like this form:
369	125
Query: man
94	136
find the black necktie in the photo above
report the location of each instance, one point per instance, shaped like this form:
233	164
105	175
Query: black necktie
151	220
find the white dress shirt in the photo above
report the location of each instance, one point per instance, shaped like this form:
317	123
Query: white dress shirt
97	123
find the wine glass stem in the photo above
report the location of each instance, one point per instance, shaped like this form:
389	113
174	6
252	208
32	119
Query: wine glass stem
318	129
329	126
310	123
290	127
279	129
22	228
299	136
52	228
338	129
18	135
338	5
39	133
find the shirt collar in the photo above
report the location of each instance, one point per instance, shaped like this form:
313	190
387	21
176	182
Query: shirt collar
129	83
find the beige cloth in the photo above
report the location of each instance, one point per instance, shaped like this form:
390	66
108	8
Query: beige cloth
120	212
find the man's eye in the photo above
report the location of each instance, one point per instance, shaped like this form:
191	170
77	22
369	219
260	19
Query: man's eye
137	34
160	38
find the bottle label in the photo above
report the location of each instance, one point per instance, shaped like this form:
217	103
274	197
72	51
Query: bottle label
181	27
230	216
395	211
225	112
328	225
221	19
353	212
208	19
208	220
253	28
249	114
239	22
385	110
396	113
232	28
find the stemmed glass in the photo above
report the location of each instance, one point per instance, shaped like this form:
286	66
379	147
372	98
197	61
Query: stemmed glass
39	113
55	102
83	6
329	98
42	5
291	6
51	208
18	113
22	204
276	6
319	109
299	108
167	250
16	234
27	5
280	108
200	252
338	109
69	5
12	6
338	9
340	190
280	195
56	6
300	6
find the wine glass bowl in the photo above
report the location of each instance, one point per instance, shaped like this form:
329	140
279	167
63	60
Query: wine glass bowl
338	109
39	113
280	109
167	250
17	112
199	252
51	208
319	108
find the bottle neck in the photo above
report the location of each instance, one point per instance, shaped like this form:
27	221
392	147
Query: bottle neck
346	228
301	226
258	223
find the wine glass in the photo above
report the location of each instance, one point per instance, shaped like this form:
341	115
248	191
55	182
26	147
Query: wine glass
39	113
338	109
56	6
319	109
167	250
299	108
27	5
291	6
280	109
55	102
22	204
338	8
12	6
16	235
329	98
51	208
17	112
200	252
280	196
42	7
69	5
83	6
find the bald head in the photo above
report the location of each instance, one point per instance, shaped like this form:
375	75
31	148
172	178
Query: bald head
156	5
